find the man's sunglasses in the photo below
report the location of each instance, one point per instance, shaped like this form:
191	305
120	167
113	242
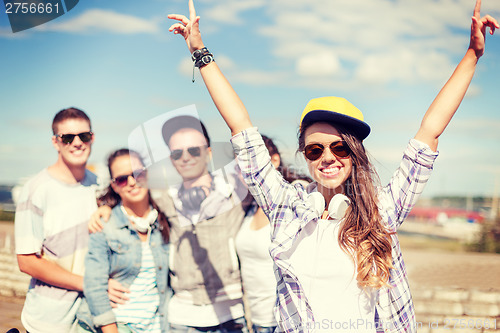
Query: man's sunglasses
140	176
193	151
338	148
68	138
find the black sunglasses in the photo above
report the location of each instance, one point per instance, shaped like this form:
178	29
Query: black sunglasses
140	176
338	148
193	151
68	138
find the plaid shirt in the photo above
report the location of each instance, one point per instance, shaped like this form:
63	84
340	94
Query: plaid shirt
289	211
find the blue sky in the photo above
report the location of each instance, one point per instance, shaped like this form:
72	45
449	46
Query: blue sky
117	61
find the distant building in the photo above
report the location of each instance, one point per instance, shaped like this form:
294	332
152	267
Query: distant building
441	215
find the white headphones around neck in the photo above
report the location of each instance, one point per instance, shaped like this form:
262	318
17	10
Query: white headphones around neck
336	208
142	224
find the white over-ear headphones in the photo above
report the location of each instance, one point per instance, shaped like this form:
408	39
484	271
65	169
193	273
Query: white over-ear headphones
142	224
336	208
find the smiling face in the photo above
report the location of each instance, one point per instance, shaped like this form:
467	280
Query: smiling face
329	171
188	166
76	153
133	192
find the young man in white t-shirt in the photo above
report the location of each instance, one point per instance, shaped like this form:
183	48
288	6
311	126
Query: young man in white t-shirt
51	227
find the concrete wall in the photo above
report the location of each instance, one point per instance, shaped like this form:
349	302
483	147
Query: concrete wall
457	310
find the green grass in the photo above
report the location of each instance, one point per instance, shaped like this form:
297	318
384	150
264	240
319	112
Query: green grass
428	243
6	216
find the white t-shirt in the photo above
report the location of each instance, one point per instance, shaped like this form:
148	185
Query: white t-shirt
181	312
257	272
328	276
51	221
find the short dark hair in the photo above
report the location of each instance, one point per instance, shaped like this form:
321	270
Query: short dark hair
173	125
69	113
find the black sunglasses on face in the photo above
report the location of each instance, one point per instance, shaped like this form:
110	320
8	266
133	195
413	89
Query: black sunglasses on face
338	148
140	176
68	138
193	151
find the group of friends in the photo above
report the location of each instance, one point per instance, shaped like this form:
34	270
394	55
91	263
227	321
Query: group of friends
256	250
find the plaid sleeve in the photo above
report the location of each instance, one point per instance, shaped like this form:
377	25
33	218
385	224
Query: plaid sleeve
264	182
401	194
288	212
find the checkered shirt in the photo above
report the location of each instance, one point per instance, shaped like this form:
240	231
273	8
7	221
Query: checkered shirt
289	211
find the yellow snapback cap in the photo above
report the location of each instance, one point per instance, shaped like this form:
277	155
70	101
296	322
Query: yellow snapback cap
335	110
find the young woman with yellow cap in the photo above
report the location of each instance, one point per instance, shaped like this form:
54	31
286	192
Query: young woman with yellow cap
339	265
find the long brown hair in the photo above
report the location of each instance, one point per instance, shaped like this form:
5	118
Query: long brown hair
363	234
111	198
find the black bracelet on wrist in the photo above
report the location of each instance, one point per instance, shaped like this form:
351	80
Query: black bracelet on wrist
199	53
205	60
201	57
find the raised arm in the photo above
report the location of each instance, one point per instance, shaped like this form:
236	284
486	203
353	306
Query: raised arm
451	95
225	98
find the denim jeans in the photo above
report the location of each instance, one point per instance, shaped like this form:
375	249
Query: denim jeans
233	326
263	329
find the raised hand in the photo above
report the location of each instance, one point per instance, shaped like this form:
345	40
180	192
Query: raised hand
478	29
446	103
188	28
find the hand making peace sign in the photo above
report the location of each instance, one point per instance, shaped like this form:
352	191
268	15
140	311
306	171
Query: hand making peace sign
478	29
188	28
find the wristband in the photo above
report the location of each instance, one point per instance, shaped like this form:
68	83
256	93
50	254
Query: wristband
201	57
204	60
199	53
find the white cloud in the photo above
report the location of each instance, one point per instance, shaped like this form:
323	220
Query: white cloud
257	77
473	91
404	66
225	63
382	67
373	41
385	155
234	73
322	64
7	33
99	20
478	127
229	12
186	65
341	45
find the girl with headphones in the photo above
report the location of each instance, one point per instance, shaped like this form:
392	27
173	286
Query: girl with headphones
338	262
131	249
